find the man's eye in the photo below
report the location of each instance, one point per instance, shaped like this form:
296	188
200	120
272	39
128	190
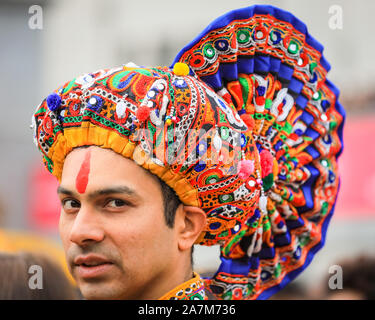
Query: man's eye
70	204
116	203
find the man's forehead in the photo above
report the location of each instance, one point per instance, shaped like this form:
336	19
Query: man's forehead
98	157
103	168
104	190
77	152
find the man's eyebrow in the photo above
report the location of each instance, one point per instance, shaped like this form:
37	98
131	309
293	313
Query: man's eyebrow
62	190
120	189
100	192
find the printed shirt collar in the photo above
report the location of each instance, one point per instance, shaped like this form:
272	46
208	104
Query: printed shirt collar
192	289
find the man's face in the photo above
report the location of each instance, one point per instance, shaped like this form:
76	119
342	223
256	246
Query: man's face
112	225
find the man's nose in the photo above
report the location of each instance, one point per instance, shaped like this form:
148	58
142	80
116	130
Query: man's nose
87	227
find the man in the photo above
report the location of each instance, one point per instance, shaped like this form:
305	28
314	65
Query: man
115	233
244	129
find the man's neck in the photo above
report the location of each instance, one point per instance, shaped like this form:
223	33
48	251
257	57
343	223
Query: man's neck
176	278
164	282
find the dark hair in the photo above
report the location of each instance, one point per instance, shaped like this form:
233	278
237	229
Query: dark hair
15	277
171	203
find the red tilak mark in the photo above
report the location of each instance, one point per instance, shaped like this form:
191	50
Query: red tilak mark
83	174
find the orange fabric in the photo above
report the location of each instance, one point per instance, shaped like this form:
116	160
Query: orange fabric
192	289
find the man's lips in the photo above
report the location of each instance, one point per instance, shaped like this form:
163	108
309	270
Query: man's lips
90	260
92	266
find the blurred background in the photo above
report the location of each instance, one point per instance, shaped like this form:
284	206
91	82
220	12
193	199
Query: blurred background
80	36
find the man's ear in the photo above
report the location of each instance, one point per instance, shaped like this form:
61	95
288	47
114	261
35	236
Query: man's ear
190	223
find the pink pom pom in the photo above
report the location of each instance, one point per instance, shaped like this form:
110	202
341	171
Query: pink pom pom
266	162
246	168
142	113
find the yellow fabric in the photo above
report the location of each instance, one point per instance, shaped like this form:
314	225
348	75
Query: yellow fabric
15	241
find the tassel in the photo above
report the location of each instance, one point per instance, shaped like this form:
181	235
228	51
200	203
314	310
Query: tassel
53	101
246	168
181	69
266	162
143	113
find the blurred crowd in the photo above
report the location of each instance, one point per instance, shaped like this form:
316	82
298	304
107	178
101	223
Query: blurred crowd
358	283
33	267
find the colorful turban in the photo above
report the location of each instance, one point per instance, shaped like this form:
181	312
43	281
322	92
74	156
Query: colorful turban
244	125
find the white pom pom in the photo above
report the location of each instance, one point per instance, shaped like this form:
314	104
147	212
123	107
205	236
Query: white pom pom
120	109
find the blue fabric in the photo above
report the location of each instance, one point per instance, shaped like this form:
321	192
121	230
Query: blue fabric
282	239
295	85
229	71
307	118
312	133
266	253
294	224
261	64
302	101
306	189
245	64
312	152
235	266
285	72
213	80
274	64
